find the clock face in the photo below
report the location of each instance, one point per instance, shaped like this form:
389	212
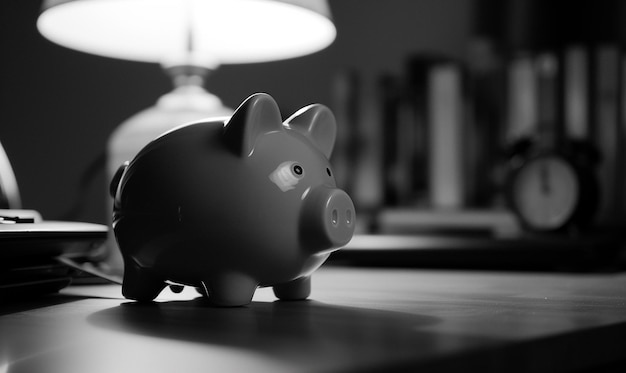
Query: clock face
546	192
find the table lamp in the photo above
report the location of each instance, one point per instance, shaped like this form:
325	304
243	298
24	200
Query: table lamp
189	38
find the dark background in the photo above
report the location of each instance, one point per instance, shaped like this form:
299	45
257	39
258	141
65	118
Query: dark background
59	106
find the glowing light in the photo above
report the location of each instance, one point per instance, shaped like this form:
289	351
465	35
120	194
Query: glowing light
216	32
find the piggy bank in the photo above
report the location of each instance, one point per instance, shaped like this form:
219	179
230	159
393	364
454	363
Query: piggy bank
232	204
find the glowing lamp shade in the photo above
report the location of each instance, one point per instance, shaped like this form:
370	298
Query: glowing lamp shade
203	32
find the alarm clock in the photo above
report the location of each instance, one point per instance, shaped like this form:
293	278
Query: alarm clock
553	190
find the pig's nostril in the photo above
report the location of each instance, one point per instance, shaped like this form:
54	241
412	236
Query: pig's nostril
348	217
335	217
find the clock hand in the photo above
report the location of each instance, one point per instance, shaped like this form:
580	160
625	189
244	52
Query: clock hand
544	177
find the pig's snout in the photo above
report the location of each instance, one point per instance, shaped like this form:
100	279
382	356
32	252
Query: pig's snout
339	217
328	219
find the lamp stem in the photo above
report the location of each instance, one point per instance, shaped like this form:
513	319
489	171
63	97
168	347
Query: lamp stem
184	75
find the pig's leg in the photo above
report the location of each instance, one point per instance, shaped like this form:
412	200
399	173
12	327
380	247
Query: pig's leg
140	284
294	290
230	289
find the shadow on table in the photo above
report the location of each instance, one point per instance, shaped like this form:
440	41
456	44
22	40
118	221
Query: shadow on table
298	332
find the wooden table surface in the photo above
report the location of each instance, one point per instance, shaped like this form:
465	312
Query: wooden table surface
357	319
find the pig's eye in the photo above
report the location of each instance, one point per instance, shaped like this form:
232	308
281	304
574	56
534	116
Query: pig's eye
297	170
328	172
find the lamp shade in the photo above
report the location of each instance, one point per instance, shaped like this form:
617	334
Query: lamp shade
200	32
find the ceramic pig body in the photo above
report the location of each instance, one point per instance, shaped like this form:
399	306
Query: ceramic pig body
227	206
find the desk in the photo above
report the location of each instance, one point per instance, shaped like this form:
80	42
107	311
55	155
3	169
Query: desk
358	319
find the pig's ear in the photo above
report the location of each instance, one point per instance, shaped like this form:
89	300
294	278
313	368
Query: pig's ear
257	115
317	123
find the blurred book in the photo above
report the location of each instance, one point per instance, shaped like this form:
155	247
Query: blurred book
447	148
608	134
